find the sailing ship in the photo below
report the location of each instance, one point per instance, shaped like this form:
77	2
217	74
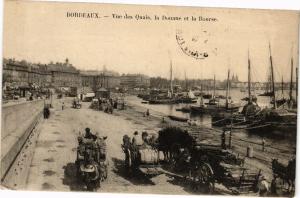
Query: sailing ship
171	97
282	100
248	111
293	102
214	105
274	119
187	96
207	95
268	90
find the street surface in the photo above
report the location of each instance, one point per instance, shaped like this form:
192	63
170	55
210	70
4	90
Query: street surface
53	167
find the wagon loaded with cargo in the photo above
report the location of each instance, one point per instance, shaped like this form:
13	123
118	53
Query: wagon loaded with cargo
144	158
205	165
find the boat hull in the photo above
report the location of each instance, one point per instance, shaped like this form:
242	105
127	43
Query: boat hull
213	109
179	119
281	129
226	118
162	101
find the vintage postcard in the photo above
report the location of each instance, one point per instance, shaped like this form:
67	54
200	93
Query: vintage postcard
149	99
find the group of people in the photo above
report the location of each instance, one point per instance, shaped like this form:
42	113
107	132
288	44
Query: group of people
139	141
105	104
76	103
143	139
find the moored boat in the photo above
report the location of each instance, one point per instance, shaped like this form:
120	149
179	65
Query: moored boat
279	121
274	120
162	101
177	118
214	106
185	109
248	112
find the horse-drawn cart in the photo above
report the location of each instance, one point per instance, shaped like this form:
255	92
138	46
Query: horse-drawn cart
143	158
91	162
209	164
205	165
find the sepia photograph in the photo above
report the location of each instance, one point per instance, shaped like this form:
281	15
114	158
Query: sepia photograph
148	99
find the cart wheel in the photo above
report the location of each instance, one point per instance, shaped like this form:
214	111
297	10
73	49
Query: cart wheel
204	177
91	186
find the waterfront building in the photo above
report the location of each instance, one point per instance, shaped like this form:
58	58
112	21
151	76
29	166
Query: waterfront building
14	73
21	78
39	76
64	75
131	81
100	79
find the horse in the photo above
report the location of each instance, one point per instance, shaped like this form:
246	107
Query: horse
126	146
286	173
172	139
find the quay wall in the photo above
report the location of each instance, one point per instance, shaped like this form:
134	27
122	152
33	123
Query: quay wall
17	123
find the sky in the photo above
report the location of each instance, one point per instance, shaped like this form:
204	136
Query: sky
41	32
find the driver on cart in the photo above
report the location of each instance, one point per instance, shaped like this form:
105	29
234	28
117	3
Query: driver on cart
88	135
137	140
88	140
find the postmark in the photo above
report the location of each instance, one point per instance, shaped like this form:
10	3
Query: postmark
195	46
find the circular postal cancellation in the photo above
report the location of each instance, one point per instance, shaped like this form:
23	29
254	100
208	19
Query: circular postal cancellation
194	45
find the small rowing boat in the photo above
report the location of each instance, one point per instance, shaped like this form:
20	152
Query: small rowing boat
177	118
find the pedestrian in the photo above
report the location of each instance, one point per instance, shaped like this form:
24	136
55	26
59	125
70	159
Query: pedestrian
115	104
276	186
263	144
263	186
45	113
63	106
123	105
223	138
147	113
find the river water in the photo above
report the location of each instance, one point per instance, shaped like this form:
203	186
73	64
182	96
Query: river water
289	141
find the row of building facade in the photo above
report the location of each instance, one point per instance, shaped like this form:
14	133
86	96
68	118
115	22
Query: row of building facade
20	74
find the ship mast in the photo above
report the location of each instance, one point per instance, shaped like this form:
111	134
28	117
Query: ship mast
249	80
291	83
297	81
214	86
296	85
227	89
272	78
282	87
186	84
171	78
